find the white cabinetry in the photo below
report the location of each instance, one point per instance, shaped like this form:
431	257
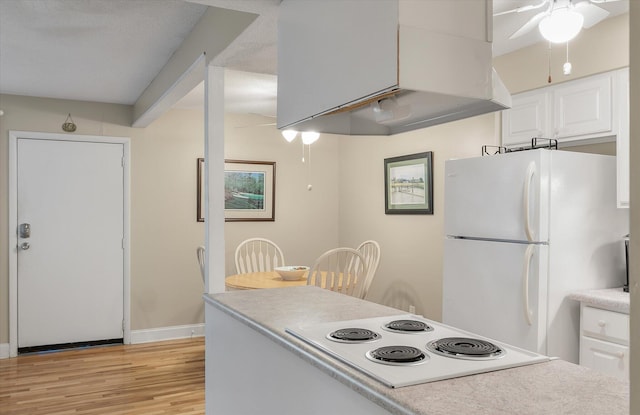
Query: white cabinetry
583	108
527	118
604	341
588	110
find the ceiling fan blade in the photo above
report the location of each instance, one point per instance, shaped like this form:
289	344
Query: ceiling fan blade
256	125
523	8
530	25
592	13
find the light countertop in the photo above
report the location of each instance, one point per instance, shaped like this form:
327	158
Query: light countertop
548	388
613	299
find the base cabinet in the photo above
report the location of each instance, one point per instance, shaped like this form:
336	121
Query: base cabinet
604	341
609	358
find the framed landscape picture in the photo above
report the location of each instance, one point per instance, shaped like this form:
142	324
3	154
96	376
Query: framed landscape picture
249	190
408	184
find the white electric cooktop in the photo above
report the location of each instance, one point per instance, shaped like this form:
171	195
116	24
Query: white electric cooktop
414	350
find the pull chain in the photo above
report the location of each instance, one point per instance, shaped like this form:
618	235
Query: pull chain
566	68
549	55
309	186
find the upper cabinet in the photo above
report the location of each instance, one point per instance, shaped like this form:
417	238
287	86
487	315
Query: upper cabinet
528	117
591	109
583	109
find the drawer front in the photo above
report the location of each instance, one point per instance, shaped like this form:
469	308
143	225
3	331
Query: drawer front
608	358
605	324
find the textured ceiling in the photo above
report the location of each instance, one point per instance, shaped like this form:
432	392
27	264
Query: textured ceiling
110	50
90	50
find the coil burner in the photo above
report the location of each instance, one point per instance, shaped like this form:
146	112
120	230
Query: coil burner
407	326
465	348
397	355
353	335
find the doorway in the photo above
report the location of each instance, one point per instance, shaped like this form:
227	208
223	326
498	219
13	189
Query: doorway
69	239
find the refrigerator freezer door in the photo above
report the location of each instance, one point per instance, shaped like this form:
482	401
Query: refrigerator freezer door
497	290
503	197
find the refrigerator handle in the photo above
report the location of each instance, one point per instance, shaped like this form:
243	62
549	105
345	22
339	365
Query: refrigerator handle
528	255
531	170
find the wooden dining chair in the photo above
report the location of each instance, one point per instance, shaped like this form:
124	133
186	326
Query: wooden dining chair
342	270
370	250
200	256
258	255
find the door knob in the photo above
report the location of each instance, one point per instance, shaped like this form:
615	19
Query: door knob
24	246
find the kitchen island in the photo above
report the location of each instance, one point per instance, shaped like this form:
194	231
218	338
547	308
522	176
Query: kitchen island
254	367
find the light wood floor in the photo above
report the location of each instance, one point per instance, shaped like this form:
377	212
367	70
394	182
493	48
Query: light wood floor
152	378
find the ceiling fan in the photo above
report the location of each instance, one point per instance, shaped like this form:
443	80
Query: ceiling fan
560	20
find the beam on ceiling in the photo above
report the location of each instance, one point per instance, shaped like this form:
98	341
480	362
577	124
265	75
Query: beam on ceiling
185	69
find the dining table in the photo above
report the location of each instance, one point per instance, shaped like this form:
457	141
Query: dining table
270	279
258	280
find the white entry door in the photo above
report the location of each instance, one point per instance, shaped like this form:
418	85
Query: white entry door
70	264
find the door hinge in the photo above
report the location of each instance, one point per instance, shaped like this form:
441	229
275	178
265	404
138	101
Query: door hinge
122	243
123	325
122	161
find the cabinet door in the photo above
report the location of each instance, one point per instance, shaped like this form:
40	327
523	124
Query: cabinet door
609	358
583	108
527	118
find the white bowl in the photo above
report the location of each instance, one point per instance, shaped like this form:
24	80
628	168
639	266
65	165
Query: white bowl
291	273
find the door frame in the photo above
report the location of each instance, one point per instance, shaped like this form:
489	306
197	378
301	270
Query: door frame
13	224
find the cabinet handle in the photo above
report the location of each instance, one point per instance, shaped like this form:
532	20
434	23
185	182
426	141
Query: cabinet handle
602	323
619	355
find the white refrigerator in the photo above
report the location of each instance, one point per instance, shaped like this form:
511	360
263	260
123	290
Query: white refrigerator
523	229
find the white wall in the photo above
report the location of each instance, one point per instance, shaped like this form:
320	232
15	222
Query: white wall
410	271
166	286
306	222
602	48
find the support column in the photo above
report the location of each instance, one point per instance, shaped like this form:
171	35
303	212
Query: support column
214	179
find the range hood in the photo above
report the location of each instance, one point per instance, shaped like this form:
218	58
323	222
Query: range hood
381	67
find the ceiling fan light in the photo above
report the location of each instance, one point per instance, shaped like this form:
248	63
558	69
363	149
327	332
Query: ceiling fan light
310	137
289	135
561	25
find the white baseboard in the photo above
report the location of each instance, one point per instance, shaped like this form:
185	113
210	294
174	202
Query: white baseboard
146	336
4	350
166	333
